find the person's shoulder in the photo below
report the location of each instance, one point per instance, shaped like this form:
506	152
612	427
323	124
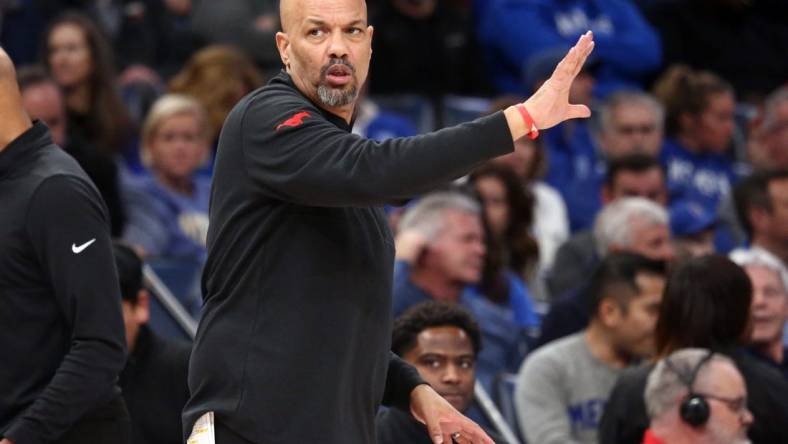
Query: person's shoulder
757	373
558	351
635	377
54	161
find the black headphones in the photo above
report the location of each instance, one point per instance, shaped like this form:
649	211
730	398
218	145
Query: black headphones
694	409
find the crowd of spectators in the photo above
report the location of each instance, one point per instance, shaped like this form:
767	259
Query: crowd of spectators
548	263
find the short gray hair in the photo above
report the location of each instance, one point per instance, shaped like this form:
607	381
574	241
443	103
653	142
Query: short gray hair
613	225
760	257
620	98
428	215
665	385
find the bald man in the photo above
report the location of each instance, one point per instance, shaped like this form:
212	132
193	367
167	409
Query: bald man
61	330
294	336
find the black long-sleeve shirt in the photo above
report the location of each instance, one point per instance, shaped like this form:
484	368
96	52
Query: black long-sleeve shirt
293	342
61	329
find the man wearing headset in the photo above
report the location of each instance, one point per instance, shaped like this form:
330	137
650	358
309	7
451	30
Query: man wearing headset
696	396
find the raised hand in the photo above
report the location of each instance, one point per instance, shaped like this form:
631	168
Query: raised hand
550	105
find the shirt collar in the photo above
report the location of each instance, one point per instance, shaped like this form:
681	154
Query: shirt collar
21	149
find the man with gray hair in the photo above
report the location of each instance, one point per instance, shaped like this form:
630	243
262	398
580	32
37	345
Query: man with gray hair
631	122
440	254
769	308
628	224
631	175
696	396
634	224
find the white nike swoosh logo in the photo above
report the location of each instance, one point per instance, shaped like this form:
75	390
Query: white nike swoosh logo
82	247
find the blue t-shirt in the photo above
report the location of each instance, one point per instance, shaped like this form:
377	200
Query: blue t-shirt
576	170
702	178
164	222
512	31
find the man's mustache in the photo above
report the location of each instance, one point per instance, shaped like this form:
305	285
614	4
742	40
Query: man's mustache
333	62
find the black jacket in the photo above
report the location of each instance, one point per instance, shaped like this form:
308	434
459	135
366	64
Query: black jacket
293	341
154	387
62	334
625	419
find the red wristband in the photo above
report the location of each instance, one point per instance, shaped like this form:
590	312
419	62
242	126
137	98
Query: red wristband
533	132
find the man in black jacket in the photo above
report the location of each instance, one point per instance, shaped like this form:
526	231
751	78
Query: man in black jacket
294	335
62	333
154	379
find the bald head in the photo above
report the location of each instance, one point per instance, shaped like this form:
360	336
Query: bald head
12	115
291	12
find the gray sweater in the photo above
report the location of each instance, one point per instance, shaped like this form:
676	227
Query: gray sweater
561	393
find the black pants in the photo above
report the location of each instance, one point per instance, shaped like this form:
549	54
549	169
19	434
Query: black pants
224	435
109	424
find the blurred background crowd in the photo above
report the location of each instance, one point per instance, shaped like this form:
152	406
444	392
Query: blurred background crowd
560	251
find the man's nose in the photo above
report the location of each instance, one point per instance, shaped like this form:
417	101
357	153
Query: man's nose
338	48
451	375
747	417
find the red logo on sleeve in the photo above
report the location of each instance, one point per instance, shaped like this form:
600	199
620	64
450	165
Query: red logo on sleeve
296	120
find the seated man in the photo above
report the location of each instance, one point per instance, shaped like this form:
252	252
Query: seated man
631	224
442	341
632	175
154	380
562	387
440	256
769	308
695	396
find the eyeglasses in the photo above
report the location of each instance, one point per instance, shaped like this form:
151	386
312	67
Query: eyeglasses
735	405
629	130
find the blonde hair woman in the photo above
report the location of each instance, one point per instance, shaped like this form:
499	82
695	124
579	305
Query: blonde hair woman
168	209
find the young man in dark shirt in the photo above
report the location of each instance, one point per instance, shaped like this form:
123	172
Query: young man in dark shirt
62	332
442	341
154	379
294	335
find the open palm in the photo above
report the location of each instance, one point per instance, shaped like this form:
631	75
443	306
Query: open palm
550	105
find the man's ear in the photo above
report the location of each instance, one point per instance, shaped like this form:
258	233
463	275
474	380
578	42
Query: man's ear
609	312
283	44
371	32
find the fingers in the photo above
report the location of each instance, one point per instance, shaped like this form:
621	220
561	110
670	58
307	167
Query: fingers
578	111
436	433
584	47
468	432
572	63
